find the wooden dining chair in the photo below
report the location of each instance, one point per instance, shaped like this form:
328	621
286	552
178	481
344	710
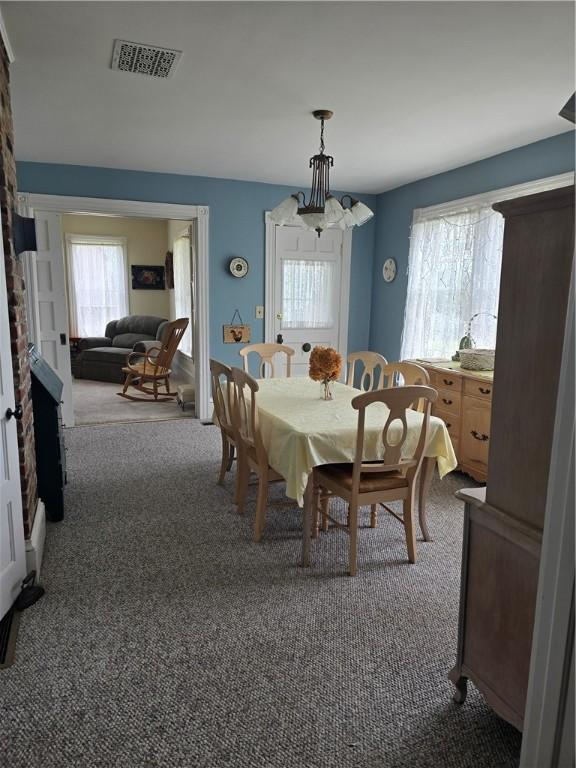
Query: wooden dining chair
252	455
393	478
153	367
266	353
222	397
405	374
369	361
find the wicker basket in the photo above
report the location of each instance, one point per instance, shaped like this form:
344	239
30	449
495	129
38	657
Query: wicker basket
477	359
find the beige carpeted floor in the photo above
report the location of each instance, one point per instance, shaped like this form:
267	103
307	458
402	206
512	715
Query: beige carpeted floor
96	402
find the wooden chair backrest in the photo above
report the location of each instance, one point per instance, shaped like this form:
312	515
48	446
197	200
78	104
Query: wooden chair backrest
266	353
171	337
398	400
245	414
222	393
370	362
404	375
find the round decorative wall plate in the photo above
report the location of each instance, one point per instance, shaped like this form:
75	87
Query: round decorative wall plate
238	267
389	270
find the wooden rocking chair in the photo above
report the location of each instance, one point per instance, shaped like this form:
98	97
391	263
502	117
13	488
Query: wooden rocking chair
154	366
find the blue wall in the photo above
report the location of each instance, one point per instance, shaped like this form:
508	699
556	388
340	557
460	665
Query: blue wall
236	229
394	217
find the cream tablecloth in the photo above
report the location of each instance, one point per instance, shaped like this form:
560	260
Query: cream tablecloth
301	431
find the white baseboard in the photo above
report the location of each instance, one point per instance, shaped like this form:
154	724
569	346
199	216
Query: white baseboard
35	544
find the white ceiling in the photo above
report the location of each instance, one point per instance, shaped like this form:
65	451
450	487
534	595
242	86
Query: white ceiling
417	88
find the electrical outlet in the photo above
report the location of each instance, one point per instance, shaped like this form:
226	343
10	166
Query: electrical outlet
259	312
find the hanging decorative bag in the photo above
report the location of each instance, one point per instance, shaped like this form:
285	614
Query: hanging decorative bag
236	333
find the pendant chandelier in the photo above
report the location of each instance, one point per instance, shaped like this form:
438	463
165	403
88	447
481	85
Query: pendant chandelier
322	209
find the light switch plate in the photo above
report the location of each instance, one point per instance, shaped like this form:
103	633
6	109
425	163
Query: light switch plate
259	312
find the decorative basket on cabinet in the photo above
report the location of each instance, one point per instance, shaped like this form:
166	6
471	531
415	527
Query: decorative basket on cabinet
477	359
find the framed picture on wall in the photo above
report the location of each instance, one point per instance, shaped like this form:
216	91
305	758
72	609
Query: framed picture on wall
148	278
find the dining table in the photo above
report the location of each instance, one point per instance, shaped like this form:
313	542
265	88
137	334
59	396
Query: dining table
300	431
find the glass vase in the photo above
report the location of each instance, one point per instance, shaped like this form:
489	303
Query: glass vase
326	390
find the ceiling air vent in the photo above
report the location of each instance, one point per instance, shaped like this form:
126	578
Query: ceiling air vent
145	59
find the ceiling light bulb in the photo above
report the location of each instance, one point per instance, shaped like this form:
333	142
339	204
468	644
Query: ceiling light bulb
347	220
314	221
361	212
285	211
332	209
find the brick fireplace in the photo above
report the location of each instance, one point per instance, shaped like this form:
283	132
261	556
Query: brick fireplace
16	300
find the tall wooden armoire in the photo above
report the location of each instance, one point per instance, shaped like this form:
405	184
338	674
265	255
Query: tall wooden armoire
503	523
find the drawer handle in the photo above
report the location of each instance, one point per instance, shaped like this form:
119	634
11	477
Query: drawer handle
478	436
448	402
484	391
448	382
448	425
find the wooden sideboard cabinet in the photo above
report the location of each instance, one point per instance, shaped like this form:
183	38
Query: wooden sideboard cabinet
464	404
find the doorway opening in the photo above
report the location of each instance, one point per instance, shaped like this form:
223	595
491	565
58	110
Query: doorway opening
106	272
119	293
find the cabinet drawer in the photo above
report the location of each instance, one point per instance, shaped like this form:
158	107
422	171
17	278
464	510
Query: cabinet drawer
449	401
452	421
478	388
475	435
446	380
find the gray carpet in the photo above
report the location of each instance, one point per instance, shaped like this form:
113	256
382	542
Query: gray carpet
97	402
167	638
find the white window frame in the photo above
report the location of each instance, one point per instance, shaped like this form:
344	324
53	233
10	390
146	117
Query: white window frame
69	238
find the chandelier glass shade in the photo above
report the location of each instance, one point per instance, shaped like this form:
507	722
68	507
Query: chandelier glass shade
322	209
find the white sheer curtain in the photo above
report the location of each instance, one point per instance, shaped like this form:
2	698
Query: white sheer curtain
183	289
97	283
307	293
453	273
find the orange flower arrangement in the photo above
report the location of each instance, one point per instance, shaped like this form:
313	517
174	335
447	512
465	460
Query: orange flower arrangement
325	366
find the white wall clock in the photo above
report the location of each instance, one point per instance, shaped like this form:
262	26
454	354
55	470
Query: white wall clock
389	270
238	267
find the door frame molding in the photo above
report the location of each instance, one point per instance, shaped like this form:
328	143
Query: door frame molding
548	739
151	210
270	281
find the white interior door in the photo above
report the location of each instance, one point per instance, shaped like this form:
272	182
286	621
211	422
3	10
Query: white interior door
309	288
184	270
52	305
12	553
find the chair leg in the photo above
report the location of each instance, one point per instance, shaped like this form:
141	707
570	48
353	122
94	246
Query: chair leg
373	515
242	478
353	533
261	504
167	382
324	509
224	461
230	458
409	527
155	388
315	506
127	382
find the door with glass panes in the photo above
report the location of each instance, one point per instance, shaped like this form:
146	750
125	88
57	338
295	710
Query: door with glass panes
307	292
